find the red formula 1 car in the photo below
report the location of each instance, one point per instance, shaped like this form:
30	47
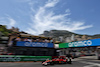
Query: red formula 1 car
60	60
47	62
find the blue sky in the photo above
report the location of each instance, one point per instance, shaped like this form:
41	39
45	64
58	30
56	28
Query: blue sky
36	16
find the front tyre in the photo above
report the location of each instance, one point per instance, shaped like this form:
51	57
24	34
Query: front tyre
51	63
45	64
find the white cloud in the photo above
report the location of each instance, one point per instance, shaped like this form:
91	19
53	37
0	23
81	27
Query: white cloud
51	3
67	10
7	21
48	20
12	21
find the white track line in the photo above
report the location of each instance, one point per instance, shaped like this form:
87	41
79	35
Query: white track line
90	64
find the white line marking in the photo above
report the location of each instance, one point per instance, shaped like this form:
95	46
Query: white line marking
91	64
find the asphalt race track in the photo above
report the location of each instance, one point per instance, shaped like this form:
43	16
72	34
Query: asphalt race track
78	62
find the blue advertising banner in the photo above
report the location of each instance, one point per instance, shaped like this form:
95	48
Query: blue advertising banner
85	43
34	44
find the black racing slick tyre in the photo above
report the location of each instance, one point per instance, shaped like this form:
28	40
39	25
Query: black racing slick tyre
51	63
70	62
57	62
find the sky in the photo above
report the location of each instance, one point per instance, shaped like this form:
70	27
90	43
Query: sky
36	16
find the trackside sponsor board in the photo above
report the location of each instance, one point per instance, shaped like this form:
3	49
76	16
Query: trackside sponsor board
85	43
34	44
23	58
63	45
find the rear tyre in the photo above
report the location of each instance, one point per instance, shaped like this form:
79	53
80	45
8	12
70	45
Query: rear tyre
62	62
69	61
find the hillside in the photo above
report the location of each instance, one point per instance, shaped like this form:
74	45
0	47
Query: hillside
4	31
52	33
57	33
64	35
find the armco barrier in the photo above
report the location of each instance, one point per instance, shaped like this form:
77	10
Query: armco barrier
84	43
15	58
